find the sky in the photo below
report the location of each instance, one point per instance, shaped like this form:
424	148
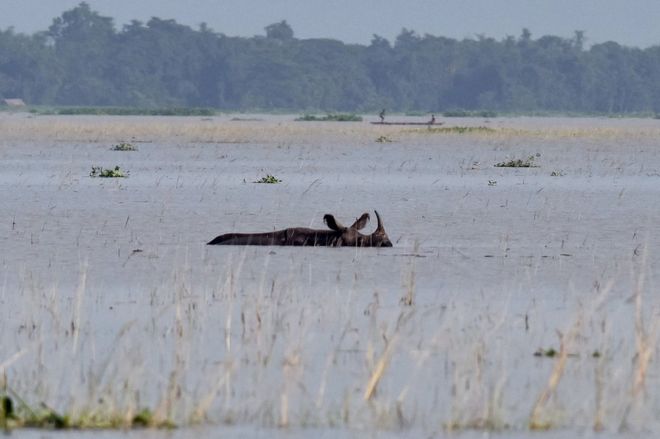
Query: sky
628	22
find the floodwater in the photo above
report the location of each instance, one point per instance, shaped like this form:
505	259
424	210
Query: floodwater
110	300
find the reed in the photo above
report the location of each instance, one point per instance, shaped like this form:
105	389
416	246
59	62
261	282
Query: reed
141	129
268	335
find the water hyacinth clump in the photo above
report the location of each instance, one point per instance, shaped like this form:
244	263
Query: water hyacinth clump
99	171
124	146
268	179
518	163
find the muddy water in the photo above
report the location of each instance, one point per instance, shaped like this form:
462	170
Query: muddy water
108	281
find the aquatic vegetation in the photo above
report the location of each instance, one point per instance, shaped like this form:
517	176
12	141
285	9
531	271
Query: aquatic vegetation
16	413
131	111
408	298
107	129
550	352
338	117
246	119
517	163
99	171
557	173
481	379
124	146
460	130
268	179
466	113
384	139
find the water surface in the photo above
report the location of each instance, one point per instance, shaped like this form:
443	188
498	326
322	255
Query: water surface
110	298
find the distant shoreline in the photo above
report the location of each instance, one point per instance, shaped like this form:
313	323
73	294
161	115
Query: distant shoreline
47	110
270	129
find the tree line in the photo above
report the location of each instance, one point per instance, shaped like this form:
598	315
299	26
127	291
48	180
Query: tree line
83	60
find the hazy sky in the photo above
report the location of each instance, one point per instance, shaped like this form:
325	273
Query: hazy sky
629	22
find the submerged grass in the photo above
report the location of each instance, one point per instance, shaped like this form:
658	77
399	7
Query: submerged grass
124	146
466	113
55	128
338	117
461	130
392	367
123	111
16	414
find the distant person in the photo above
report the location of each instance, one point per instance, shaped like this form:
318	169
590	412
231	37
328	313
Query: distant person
382	115
432	119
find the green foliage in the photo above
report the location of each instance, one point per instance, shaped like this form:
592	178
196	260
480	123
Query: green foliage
98	171
279	31
268	179
145	418
82	60
16	413
517	163
7	414
550	353
47	418
330	118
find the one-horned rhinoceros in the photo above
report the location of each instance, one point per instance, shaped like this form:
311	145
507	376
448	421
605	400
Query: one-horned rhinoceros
337	236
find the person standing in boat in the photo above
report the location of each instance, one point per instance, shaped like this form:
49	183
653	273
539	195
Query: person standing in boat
382	115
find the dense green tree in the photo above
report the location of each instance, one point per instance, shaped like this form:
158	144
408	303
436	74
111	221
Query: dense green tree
28	69
279	31
83	43
82	59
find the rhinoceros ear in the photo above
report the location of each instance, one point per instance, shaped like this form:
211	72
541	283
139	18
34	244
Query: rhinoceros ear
332	223
360	222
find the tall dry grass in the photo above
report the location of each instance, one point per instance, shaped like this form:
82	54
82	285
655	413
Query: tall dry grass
217	354
218	130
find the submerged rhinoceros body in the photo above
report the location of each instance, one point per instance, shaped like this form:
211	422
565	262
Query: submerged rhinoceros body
337	236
